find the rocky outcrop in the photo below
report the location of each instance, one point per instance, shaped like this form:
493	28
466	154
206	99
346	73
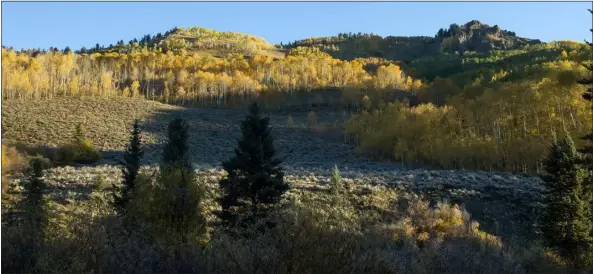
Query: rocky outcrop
476	36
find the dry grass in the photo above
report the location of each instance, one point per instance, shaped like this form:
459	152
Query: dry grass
52	122
492	37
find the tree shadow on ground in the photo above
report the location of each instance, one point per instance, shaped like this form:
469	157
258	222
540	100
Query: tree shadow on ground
214	133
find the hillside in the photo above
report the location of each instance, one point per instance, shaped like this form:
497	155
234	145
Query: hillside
198	40
309	154
472	36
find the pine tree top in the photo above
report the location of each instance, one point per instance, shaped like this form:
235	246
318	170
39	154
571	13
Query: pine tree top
563	156
135	140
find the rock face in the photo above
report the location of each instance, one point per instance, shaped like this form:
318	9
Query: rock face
476	36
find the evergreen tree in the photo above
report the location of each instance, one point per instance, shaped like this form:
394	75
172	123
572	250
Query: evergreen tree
255	179
176	152
588	95
336	182
34	212
566	218
337	187
181	196
131	166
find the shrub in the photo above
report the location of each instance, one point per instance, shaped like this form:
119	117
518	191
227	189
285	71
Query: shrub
174	213
12	162
80	151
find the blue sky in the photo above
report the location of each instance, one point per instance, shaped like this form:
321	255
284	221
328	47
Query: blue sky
61	24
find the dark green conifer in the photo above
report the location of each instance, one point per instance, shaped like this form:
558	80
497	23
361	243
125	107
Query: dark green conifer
34	215
566	219
131	166
255	179
176	151
588	95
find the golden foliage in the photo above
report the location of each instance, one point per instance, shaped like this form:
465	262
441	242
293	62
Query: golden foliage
12	162
183	77
504	129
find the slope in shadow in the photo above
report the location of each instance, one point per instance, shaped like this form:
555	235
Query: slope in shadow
214	133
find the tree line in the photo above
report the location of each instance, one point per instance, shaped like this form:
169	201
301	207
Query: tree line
186	77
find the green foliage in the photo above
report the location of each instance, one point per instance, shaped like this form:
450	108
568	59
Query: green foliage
175	212
337	187
566	220
336	182
255	179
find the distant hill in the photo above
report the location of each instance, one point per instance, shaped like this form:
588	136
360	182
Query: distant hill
473	36
199	40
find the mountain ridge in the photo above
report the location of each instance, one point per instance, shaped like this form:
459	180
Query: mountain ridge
471	36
